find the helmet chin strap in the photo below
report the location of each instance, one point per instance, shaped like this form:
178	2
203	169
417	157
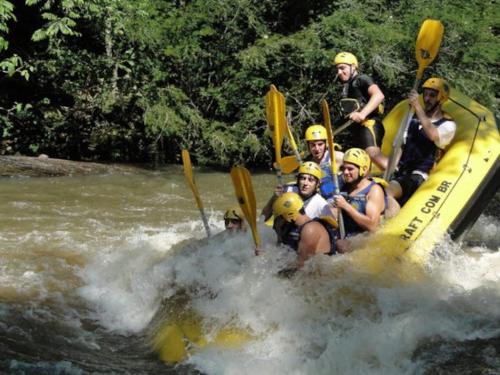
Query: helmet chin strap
351	75
431	111
350	186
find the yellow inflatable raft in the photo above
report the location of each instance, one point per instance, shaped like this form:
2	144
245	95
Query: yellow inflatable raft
178	337
449	202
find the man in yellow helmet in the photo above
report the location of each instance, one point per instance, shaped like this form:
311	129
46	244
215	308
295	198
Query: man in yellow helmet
368	131
429	132
306	186
234	219
364	200
316	138
313	235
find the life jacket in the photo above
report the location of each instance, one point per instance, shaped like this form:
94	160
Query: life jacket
292	237
357	88
288	233
419	152
358	201
327	185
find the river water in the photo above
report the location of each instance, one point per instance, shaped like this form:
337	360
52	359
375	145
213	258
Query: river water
88	264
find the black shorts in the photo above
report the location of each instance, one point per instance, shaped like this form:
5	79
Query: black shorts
369	135
409	184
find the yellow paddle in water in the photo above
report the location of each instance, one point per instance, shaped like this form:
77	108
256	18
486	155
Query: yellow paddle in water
245	195
333	162
188	172
427	47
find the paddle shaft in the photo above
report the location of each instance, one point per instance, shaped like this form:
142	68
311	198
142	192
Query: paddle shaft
205	221
337	192
333	163
397	142
342	127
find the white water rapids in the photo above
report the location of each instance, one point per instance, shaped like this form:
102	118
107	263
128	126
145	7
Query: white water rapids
89	261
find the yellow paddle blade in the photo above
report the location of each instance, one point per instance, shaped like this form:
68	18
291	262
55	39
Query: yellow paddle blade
275	115
245	195
428	42
284	126
188	172
283	123
289	164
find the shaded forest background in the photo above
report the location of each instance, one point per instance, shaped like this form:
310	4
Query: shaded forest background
137	80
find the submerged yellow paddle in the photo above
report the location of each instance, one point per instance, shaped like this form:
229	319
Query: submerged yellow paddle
188	172
245	195
333	162
427	47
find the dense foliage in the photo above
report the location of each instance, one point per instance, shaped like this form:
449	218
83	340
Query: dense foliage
123	80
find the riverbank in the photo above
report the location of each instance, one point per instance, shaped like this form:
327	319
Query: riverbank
43	166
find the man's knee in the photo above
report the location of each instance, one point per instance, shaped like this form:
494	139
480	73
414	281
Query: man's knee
376	156
392	208
394	189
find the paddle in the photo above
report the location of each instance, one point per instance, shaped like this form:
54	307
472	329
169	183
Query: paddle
290	163
427	47
245	195
333	162
353	105
188	172
275	115
284	125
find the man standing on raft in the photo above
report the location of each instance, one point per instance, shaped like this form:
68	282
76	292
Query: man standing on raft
368	131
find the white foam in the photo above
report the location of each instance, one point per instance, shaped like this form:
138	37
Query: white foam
327	319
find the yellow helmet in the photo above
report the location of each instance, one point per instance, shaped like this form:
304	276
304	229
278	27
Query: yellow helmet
440	86
312	168
316	133
234	213
345	58
288	205
359	157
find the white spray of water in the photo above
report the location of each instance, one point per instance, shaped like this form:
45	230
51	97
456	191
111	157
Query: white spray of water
326	319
